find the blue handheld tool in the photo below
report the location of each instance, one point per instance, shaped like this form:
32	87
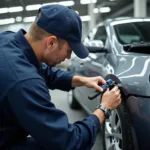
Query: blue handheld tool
109	84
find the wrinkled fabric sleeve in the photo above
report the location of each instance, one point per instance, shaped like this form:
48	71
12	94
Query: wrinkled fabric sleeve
57	78
31	104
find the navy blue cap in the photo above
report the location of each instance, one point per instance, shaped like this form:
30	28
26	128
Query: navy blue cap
65	23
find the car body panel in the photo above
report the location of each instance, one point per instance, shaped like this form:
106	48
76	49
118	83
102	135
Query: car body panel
131	69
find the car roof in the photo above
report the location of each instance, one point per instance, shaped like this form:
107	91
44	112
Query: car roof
121	20
124	19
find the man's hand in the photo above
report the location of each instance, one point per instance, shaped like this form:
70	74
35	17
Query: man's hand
95	82
111	99
90	82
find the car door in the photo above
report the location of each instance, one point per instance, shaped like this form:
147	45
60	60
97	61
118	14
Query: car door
77	67
93	67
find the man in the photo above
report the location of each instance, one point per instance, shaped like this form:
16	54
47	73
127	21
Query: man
25	103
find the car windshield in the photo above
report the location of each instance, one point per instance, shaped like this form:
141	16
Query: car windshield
133	32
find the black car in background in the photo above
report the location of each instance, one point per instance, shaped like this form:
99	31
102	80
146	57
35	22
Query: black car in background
119	50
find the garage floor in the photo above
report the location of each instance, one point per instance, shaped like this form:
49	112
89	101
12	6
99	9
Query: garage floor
60	100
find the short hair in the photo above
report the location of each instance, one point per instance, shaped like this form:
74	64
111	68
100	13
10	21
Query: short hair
37	33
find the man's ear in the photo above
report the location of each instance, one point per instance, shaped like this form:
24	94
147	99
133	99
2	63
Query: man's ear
51	40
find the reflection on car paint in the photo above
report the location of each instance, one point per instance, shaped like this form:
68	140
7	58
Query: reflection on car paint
132	69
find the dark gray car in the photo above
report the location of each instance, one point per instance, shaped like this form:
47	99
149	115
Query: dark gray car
119	50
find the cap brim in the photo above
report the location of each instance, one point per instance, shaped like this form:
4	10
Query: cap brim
79	49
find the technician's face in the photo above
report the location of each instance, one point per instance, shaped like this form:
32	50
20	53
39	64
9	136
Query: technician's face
57	52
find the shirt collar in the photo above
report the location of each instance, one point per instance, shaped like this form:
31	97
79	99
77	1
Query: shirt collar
24	44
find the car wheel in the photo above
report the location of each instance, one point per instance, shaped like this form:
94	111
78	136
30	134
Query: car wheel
73	103
116	131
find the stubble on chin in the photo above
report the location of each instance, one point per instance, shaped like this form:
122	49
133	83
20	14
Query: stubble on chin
51	65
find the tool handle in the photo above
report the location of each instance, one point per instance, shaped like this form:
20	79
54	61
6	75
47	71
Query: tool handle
94	95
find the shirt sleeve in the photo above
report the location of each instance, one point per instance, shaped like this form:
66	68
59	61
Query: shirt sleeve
31	104
57	78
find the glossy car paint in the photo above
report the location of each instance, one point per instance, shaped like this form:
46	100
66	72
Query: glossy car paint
133	71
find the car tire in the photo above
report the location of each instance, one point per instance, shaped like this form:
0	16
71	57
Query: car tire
73	103
116	131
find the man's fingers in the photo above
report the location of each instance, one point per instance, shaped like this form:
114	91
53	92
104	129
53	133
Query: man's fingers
101	81
99	88
115	88
118	92
119	102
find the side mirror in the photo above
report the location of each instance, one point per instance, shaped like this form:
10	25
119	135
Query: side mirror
96	46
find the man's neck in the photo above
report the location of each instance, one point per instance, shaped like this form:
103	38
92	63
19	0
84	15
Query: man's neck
37	47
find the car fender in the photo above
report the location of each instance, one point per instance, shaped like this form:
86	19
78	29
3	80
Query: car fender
127	97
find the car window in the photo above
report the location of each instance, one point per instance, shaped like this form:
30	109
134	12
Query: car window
133	32
101	34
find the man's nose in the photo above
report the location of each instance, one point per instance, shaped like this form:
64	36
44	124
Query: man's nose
69	56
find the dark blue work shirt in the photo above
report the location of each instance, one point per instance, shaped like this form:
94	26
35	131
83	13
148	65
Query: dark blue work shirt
25	103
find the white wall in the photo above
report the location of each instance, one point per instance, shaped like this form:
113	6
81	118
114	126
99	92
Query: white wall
14	27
